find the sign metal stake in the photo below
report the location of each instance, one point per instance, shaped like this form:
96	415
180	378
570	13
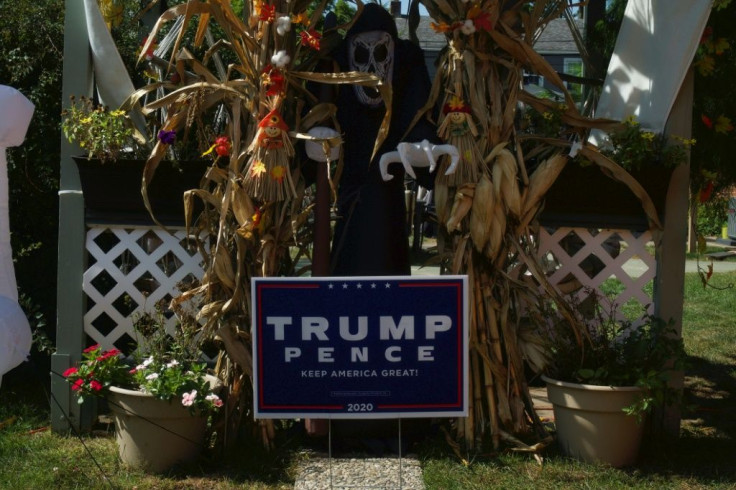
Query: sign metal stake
329	459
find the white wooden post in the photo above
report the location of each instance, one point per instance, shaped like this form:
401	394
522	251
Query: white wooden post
669	285
77	80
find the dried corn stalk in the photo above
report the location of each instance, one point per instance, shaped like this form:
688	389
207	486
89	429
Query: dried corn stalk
248	118
489	44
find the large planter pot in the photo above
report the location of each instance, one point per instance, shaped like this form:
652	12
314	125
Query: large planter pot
587	197
153	434
591	424
112	190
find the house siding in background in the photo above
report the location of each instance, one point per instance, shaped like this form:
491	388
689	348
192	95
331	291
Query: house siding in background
556	44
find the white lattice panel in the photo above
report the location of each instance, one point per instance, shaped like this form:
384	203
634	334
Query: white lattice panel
580	258
132	269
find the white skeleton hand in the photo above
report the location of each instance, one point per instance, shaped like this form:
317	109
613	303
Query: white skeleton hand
423	154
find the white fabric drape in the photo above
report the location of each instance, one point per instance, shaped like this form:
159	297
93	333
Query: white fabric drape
15	334
111	77
654	49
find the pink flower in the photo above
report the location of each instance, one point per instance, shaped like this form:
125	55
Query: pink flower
91	348
214	399
187	399
95	385
78	384
69	372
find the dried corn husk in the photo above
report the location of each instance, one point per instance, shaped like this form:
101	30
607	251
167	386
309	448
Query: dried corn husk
460	207
495	241
539	183
441	201
481	215
533	346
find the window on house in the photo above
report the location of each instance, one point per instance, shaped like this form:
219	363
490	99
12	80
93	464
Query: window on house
574	66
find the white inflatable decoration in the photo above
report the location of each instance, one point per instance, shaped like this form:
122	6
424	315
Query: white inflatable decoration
15	333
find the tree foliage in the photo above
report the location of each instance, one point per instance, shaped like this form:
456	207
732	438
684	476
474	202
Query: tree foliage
714	110
31	56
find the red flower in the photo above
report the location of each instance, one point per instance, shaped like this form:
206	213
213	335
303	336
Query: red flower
268	13
151	48
705	192
310	38
707	33
222	146
91	348
273	80
483	21
257	217
108	354
78	385
95	385
69	372
706	120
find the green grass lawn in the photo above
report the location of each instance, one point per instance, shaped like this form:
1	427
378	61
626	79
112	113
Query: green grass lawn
704	456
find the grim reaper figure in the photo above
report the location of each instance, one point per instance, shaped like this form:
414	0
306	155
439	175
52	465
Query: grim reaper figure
371	234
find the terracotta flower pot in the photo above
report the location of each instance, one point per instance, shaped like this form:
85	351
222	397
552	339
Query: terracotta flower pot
154	434
591	424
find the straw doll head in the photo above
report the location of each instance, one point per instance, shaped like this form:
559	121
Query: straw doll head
458	129
267	176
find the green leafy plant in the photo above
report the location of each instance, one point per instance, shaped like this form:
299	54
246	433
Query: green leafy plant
618	352
633	147
102	133
168	367
711	215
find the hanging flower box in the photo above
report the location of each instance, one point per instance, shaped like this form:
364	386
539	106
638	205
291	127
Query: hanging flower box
583	196
112	190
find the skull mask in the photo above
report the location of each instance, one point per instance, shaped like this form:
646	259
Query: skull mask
372	52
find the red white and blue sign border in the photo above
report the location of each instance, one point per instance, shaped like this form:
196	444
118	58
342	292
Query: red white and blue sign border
454	294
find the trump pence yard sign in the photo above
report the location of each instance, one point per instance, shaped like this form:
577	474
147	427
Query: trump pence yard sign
360	347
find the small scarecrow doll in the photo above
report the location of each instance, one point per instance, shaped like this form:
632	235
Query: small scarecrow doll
458	129
267	174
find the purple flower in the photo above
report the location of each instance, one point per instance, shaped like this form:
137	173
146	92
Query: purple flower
167	137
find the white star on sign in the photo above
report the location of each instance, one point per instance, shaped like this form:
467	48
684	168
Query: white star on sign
388	286
359	286
331	286
373	285
344	285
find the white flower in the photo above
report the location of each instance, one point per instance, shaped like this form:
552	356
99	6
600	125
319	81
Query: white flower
140	367
152	376
214	399
468	27
280	59
172	364
187	399
283	25
147	362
